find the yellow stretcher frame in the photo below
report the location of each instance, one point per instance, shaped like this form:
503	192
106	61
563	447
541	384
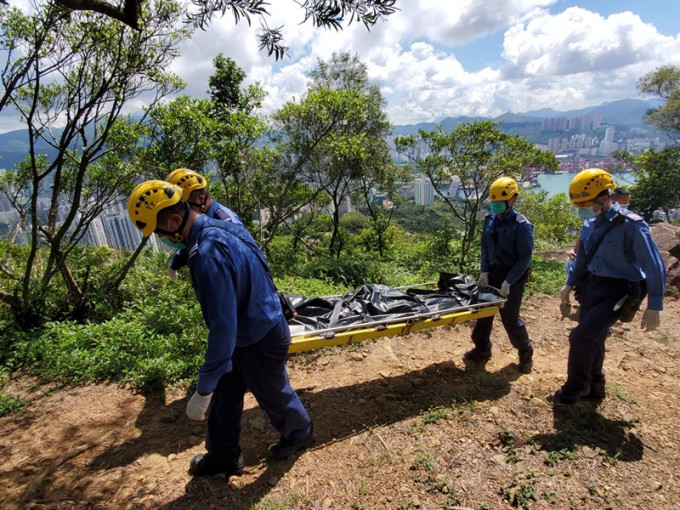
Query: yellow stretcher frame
317	339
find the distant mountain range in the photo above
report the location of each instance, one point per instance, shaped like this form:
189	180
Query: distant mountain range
624	115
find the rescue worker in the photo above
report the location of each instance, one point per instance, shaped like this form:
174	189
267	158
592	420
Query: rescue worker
248	337
622	196
615	254
507	246
196	193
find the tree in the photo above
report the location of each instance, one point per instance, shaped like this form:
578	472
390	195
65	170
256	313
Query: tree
471	156
664	82
554	220
657	184
177	135
353	160
322	13
94	69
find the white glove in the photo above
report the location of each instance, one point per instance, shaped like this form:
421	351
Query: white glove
483	280
564	294
198	406
172	273
650	320
505	289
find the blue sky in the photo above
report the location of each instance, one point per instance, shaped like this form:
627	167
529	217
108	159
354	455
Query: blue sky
439	58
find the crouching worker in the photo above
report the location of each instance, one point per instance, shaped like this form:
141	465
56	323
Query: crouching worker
616	258
248	337
507	245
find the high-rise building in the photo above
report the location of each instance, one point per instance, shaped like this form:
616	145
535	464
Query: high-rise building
423	191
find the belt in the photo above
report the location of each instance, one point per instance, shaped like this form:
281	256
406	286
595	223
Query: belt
606	279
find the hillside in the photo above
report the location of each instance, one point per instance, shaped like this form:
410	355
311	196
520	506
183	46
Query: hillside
401	423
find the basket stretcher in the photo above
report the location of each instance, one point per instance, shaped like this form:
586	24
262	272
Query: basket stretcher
304	338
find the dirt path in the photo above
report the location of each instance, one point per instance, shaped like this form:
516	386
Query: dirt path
401	423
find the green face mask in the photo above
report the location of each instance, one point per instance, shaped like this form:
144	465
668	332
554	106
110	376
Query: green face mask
497	207
175	245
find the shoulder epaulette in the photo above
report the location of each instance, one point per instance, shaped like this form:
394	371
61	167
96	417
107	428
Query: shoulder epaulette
223	215
631	215
193	251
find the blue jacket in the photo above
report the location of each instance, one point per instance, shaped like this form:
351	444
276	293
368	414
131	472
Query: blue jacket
237	296
507	241
627	251
217	211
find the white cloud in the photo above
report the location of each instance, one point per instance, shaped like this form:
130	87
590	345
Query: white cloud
563	59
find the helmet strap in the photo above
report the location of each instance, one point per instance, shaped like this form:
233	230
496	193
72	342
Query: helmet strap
177	235
200	206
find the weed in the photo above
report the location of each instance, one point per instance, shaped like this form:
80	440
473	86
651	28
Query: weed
10	404
555	456
520	496
663	338
462	408
288	501
549	496
426	462
612	459
484	506
617	391
507	439
434	414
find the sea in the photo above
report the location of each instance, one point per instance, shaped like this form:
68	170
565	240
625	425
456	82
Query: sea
559	182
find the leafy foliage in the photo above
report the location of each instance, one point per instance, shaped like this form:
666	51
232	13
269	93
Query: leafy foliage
554	219
663	82
471	156
657	185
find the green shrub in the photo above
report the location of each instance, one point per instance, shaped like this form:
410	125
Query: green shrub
10	404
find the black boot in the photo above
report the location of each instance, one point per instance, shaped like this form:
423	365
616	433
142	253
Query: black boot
286	447
597	391
526	360
227	461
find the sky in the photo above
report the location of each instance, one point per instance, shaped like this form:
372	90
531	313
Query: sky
443	58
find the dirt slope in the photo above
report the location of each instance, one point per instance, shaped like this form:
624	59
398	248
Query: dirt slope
401	423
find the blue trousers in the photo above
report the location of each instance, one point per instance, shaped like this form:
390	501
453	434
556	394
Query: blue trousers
512	322
260	368
587	340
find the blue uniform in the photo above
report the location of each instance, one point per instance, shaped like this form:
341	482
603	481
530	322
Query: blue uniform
626	255
217	211
507	245
248	337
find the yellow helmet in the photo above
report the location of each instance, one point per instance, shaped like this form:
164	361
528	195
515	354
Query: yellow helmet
503	189
589	183
188	180
147	200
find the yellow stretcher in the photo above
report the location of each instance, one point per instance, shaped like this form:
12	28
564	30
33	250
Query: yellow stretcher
305	340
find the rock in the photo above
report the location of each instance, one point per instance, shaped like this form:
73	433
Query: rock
499	459
667	238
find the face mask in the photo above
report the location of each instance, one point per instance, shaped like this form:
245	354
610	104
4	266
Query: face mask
585	214
175	245
497	207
